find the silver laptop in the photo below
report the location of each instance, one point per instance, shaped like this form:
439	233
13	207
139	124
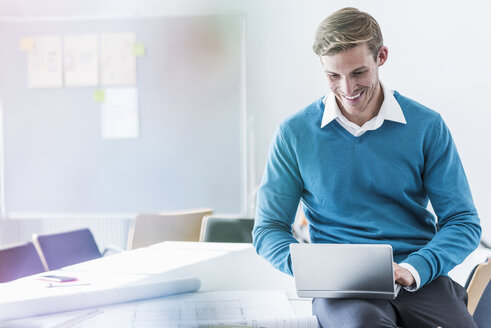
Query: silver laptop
343	271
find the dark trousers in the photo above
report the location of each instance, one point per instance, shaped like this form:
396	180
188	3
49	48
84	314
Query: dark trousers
441	303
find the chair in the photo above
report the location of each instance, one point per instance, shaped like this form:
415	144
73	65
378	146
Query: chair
148	229
66	248
19	261
479	293
222	229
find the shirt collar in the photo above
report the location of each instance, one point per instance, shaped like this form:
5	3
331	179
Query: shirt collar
390	109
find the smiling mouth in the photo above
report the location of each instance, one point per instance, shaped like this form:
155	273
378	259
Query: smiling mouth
353	97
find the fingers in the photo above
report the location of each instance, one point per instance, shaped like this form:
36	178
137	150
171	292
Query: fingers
402	276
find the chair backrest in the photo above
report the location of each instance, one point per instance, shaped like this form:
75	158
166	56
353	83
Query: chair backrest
148	229
477	285
19	261
226	229
66	248
482	314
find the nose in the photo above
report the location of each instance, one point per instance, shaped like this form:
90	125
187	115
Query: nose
347	86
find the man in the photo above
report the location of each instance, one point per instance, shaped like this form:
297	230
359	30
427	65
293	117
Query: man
365	161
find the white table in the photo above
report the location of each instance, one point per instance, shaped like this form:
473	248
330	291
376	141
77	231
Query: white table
219	266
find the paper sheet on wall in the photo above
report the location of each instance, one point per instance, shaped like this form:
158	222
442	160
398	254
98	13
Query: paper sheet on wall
80	60
118	62
44	64
119	113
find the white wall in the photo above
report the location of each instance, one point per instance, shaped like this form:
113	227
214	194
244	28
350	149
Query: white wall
438	55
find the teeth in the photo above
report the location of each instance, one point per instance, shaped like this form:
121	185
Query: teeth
354	97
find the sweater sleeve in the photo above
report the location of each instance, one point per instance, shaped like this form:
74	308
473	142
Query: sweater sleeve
458	225
277	202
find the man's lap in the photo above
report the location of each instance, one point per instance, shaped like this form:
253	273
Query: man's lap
350	313
440	303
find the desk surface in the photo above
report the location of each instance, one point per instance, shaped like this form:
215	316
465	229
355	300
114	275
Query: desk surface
219	267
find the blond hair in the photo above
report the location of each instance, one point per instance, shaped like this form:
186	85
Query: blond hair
346	29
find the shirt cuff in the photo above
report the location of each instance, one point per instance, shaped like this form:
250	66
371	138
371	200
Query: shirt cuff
417	280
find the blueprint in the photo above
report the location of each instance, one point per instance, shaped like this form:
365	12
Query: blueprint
266	309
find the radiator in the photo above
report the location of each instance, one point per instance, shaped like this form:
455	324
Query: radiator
108	229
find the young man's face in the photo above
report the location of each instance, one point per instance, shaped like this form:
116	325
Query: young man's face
353	77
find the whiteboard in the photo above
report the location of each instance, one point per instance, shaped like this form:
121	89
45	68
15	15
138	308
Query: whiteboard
188	153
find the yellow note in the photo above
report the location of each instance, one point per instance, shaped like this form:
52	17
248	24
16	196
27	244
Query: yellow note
139	49
99	96
27	44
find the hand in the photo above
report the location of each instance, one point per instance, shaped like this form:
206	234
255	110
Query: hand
402	276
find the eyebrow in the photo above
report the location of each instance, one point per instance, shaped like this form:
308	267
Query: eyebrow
356	69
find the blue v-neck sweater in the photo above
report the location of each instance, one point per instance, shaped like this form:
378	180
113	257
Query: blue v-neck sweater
372	189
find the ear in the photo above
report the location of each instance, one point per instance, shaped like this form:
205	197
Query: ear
383	53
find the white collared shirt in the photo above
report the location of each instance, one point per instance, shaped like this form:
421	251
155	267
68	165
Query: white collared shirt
389	110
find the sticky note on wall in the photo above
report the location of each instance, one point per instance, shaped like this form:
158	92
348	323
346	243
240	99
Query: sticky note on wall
99	96
139	49
26	44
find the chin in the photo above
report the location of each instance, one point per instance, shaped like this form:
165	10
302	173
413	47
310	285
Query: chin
354	109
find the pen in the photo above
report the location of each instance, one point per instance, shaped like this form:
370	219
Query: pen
52	285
